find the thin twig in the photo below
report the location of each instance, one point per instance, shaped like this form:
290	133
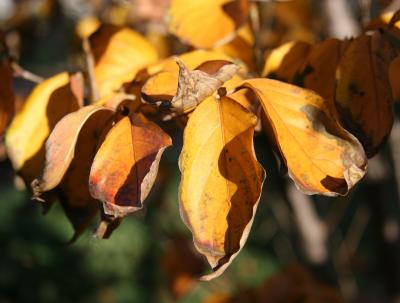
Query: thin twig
24	74
94	93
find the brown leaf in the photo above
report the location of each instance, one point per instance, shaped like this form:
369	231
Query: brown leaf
126	165
221	180
319	71
322	158
363	94
7	101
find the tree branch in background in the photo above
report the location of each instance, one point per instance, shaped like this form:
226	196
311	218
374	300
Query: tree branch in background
312	230
341	22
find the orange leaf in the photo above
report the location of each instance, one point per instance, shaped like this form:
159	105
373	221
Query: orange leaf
60	146
221	180
206	23
363	93
126	165
322	158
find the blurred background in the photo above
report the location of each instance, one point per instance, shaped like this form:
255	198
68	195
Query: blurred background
300	249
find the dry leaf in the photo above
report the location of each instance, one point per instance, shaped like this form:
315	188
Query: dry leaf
46	105
221	179
119	53
319	71
7	101
60	146
206	23
192	86
126	165
363	94
322	158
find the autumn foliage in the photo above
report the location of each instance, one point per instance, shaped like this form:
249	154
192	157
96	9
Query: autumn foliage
94	139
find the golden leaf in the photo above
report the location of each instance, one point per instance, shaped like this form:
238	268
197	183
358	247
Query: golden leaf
46	105
322	158
119	53
206	23
126	165
221	179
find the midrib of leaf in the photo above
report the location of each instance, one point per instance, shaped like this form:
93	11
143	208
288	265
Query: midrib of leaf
221	120
138	187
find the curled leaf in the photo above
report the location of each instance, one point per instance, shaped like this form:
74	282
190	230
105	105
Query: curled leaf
363	93
207	23
50	100
322	157
60	146
75	197
126	165
221	180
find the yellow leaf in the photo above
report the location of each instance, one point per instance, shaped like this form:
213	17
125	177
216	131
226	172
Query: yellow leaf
126	165
119	53
363	92
87	26
46	105
322	158
221	179
206	23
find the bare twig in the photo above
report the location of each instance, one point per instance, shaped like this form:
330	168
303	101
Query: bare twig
94	93
24	74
